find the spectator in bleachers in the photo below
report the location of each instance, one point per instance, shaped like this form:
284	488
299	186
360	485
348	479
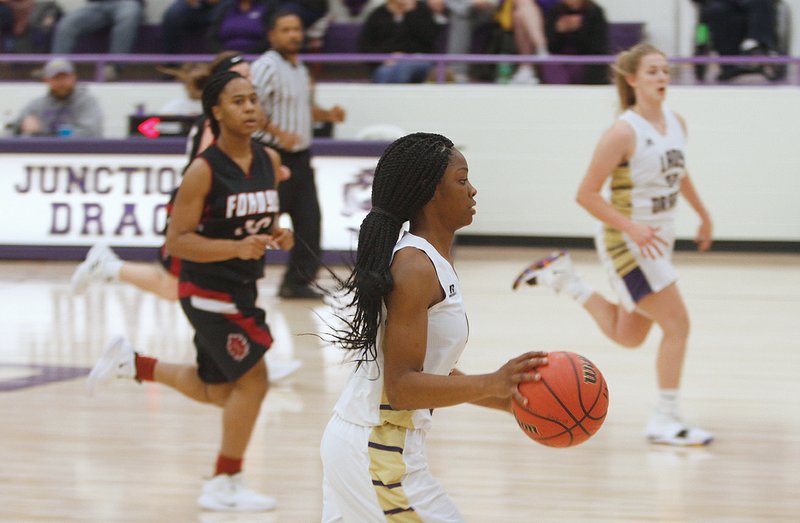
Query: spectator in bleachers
739	27
464	17
13	22
123	17
526	21
6	26
309	11
241	25
399	27
183	17
67	110
578	27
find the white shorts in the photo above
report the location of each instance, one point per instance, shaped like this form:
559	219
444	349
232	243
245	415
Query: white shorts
632	275
379	474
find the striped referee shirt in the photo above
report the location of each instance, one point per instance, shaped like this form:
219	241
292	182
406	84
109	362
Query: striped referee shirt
284	90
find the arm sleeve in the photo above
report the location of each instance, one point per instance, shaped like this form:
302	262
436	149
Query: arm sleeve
263	73
88	118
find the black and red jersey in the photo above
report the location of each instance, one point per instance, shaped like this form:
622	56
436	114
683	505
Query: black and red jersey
238	204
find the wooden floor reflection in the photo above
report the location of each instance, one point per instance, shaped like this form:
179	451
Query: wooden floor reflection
138	453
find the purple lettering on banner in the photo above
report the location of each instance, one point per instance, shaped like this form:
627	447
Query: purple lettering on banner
92	213
160	219
97	173
147	171
28	178
74	179
128	171
171	178
128	220
60	209
55	171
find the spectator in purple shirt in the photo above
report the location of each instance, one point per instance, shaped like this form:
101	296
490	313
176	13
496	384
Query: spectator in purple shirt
241	25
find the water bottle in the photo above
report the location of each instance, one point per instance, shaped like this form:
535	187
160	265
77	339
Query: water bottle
64	131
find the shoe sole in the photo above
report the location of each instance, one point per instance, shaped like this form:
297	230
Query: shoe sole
215	506
678	443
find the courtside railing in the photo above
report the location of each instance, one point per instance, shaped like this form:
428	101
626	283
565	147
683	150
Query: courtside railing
440	61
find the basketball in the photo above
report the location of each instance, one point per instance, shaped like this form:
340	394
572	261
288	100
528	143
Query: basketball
567	406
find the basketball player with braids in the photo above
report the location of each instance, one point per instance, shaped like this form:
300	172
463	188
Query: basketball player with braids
224	218
643	155
407	332
104	266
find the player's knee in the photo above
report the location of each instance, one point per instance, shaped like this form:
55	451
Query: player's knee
632	341
676	325
255	381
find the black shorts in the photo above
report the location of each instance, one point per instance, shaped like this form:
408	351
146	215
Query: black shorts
231	334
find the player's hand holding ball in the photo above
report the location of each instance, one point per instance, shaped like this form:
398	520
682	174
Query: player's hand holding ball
518	370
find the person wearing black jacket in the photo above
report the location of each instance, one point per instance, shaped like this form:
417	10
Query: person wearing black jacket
579	27
399	27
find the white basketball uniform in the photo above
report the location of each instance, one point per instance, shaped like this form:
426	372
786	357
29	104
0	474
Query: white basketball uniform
375	468
645	189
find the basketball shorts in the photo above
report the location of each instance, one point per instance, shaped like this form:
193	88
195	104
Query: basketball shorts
632	275
231	334
379	474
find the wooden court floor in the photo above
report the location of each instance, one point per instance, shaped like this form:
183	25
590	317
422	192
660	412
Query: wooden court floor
138	453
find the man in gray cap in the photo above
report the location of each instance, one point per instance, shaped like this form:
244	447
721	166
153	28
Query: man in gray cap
66	110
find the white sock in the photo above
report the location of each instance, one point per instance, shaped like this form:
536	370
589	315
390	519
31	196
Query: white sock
578	289
667	403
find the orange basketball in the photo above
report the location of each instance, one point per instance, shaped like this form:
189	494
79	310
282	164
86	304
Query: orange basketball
567	406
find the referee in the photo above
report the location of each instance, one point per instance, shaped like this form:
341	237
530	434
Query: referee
284	88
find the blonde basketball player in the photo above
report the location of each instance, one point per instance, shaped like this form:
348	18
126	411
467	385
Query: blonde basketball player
643	155
408	329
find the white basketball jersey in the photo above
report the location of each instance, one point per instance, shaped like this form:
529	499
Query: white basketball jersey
647	188
363	401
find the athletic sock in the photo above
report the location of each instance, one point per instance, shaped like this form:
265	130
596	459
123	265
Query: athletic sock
229	466
145	367
667	403
577	289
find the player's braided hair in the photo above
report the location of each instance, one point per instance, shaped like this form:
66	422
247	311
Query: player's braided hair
405	179
211	93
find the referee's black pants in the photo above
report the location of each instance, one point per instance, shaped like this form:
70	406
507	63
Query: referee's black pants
299	200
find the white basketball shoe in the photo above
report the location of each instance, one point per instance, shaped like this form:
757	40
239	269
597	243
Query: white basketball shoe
228	494
666	429
279	370
117	361
557	272
96	267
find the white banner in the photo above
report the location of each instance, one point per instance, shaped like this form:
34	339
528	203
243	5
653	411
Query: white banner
79	199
